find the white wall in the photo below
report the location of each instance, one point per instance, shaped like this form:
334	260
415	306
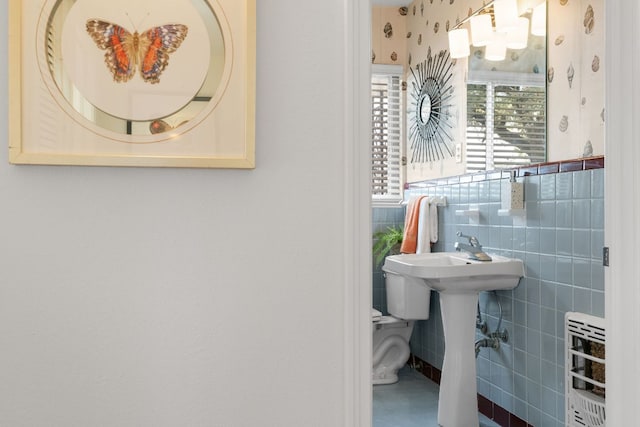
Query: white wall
622	210
150	297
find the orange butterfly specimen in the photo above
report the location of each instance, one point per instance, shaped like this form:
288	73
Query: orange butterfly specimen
125	52
160	126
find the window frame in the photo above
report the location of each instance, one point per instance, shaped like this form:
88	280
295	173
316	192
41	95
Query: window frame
397	168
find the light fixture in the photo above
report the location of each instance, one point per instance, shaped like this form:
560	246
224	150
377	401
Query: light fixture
511	31
539	20
518	38
506	14
497	49
481	29
459	43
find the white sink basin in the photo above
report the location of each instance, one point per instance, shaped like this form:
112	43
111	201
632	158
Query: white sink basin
454	272
458	280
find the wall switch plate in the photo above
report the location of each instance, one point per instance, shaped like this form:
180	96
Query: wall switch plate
458	153
512	195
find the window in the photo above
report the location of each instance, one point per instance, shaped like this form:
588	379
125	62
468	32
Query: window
386	134
505	124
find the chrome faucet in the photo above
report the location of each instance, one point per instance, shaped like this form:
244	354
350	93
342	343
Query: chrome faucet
474	248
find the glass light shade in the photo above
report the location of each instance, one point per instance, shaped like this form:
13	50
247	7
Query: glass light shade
506	14
481	29
459	43
519	36
497	49
539	20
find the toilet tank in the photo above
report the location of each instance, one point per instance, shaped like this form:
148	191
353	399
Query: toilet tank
407	297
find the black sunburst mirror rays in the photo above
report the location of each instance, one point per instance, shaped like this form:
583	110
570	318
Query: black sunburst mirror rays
429	113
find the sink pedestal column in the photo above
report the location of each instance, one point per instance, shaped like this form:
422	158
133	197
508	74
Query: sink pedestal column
458	402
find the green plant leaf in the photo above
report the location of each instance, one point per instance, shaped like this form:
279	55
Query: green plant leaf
386	241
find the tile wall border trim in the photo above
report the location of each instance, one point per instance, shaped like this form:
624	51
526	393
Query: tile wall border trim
486	407
531	170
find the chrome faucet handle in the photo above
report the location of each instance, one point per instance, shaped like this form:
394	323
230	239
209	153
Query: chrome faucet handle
473	241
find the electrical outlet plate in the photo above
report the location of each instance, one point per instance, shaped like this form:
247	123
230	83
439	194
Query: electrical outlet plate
458	153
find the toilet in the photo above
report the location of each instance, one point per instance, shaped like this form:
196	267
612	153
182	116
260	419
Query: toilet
407	301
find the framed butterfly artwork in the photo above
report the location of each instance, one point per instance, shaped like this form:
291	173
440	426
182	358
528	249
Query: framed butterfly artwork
132	83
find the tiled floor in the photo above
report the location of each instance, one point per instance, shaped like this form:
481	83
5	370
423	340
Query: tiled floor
411	402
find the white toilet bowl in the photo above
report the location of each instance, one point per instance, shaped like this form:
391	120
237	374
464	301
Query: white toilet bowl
390	346
407	301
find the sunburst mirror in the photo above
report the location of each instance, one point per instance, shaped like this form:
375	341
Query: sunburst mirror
430	108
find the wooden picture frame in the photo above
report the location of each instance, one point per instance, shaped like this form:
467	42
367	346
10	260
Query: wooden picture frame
181	93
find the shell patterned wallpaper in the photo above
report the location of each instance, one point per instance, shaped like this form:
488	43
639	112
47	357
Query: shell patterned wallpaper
575	79
575	70
388	34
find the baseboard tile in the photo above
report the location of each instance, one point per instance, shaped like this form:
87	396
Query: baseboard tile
486	407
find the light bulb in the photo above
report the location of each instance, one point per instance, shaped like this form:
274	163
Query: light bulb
518	38
459	43
481	29
506	14
497	49
539	20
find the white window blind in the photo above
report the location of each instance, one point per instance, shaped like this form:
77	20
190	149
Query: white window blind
386	134
506	126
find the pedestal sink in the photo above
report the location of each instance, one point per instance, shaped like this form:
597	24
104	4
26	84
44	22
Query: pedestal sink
458	281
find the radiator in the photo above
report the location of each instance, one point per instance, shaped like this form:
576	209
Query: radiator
585	370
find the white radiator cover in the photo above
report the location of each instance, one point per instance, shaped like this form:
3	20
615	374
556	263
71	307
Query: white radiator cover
585	390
